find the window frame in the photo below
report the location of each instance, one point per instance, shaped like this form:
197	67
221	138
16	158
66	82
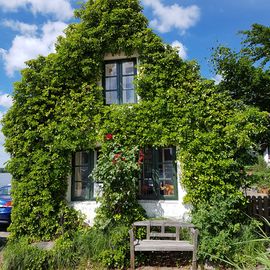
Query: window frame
156	181
92	159
119	76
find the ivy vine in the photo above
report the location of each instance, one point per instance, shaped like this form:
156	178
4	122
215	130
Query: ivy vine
58	109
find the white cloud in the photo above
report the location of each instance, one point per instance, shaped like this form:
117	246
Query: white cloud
5	101
218	78
174	16
25	47
182	50
61	9
23	28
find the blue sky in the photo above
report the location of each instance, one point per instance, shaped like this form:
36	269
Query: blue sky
30	27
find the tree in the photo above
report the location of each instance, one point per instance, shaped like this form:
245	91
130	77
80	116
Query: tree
242	79
257	43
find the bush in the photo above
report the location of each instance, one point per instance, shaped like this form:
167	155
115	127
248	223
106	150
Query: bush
260	172
226	233
118	169
99	248
20	255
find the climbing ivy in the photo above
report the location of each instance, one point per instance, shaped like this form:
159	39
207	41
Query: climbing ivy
58	109
118	169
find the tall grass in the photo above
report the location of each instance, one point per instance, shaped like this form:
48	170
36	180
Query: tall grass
89	248
255	252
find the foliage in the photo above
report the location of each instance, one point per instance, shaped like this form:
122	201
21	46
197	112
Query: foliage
256	43
118	169
223	226
260	171
88	246
241	79
20	255
53	114
117	253
58	109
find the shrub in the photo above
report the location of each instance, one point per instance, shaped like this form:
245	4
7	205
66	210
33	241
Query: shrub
19	255
226	233
118	168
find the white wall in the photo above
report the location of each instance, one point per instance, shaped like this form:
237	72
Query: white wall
266	155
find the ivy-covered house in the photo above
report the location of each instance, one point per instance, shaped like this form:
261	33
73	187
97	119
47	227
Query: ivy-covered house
159	189
113	82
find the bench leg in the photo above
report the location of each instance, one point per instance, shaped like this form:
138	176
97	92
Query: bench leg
194	265
194	253
132	259
194	260
132	250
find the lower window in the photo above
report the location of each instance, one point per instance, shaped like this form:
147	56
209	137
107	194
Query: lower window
83	187
158	177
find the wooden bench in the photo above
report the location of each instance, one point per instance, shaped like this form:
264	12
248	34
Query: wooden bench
163	240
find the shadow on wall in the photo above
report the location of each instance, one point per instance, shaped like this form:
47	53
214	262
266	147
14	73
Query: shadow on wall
166	209
156	210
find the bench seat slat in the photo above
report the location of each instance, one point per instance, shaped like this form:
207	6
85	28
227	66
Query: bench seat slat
163	245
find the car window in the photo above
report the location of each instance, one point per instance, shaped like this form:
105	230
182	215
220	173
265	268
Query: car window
5	190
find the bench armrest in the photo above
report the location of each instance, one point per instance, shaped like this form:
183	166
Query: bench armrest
194	234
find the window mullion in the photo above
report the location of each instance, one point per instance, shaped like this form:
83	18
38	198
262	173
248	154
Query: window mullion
156	173
119	78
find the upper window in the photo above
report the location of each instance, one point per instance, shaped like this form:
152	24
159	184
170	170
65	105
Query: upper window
83	187
158	177
118	82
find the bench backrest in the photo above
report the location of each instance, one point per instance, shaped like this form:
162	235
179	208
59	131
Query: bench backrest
159	228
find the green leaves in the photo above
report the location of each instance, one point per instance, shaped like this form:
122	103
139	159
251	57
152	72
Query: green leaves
59	109
118	169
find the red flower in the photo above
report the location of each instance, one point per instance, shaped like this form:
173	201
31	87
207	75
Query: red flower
141	157
116	157
109	136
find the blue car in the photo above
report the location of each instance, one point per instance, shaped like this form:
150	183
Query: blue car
5	204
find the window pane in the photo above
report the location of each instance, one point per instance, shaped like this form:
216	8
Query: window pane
167	187
166	170
82	190
81	159
128	82
147	187
148	154
165	154
81	174
111	83
129	96
128	68
147	170
111	97
168	154
158	176
110	69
